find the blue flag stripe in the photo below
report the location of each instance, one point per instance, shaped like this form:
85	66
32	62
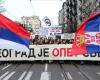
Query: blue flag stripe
93	48
8	35
93	25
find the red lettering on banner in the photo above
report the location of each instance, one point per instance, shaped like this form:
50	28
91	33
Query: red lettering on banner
55	52
63	51
66	52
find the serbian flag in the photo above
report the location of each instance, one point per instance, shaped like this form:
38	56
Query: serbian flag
87	37
12	35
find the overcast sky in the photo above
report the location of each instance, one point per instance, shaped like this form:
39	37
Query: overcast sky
18	8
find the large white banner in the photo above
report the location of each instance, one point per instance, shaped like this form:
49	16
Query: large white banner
46	52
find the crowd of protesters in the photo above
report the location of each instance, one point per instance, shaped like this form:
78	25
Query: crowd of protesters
37	40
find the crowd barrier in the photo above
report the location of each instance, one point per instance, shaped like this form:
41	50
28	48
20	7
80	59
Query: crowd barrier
46	52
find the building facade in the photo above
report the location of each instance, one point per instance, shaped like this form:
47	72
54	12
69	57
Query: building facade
60	21
85	8
31	23
68	13
74	12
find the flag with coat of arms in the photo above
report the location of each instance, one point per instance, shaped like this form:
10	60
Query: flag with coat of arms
87	37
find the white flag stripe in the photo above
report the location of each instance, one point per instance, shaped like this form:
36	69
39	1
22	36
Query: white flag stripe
12	45
94	34
4	75
6	66
22	76
45	76
69	76
28	76
8	76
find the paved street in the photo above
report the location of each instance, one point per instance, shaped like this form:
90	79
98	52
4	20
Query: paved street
45	71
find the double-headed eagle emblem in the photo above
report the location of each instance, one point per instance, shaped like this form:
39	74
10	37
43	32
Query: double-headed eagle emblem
80	40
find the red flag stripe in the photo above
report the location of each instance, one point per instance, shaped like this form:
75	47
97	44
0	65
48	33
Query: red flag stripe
13	26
